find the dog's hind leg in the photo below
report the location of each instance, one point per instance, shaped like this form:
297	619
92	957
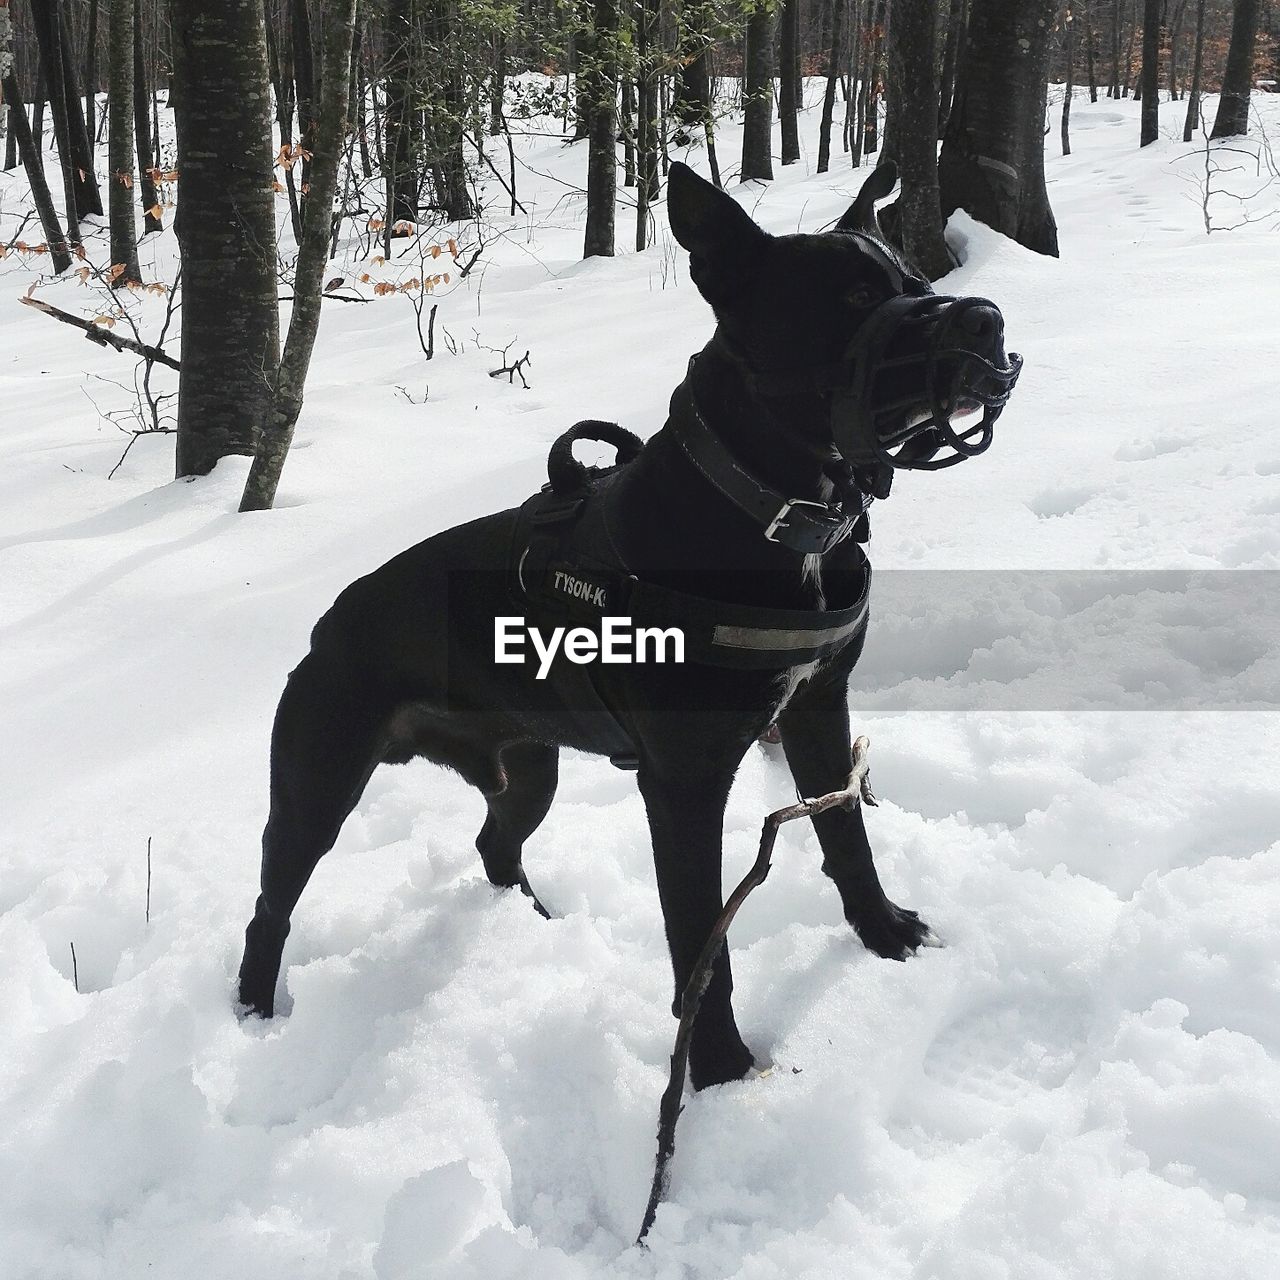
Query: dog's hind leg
816	740
531	770
325	744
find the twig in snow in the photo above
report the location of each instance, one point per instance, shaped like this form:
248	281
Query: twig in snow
857	789
148	920
512	370
75	972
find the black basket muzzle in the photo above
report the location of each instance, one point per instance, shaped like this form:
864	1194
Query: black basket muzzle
914	379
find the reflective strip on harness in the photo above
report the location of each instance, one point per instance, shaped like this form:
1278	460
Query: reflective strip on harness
775	640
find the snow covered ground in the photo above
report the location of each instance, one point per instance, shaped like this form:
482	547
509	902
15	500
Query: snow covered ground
1084	1083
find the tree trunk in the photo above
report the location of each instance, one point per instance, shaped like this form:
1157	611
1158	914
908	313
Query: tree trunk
47	26
992	162
1090	52
757	123
646	119
497	86
147	158
875	52
1175	31
789	32
37	114
602	132
834	53
91	71
627	128
1113	89
20	134
1128	54
692	105
1233	106
124	251
304	71
853	104
1069	87
947	86
63	92
1193	98
401	152
226	229
328	138
913	81
1150	72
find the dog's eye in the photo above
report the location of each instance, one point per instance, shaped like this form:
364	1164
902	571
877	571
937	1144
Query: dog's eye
862	298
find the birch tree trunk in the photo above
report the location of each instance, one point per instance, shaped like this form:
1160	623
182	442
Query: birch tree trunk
226	229
313	256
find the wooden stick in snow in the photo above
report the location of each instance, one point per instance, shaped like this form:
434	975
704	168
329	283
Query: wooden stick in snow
857	789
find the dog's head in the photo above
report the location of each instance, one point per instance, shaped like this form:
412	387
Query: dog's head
905	375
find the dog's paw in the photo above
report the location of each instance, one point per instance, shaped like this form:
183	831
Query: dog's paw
894	932
725	1064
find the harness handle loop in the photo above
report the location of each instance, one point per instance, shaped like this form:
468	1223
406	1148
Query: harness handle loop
568	476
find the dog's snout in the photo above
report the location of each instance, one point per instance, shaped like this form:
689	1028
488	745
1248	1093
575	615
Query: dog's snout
982	322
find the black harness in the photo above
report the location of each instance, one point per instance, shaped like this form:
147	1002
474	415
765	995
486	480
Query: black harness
565	570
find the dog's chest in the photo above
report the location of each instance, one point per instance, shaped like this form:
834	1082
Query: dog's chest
791	679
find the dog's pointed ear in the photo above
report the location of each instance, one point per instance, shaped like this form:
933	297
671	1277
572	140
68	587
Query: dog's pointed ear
861	214
718	233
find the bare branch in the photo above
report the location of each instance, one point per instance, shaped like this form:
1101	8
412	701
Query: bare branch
102	336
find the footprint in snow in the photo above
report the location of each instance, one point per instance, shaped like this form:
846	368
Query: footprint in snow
1156	447
1053	503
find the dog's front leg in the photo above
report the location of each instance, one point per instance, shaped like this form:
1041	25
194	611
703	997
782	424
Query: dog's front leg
686	821
816	740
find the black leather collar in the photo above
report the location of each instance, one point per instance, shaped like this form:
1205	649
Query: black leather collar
802	524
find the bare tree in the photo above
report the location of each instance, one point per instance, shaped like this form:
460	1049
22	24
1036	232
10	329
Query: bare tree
120	104
1150	72
1192	121
226	230
992	161
913	80
328	136
1237	81
834	46
788	80
20	136
757	123
602	129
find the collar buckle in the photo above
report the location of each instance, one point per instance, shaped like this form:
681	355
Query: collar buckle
838	524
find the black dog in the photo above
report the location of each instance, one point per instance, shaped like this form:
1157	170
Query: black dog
739	522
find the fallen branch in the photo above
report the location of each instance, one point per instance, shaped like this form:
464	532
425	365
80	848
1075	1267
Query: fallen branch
103	336
857	789
512	370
